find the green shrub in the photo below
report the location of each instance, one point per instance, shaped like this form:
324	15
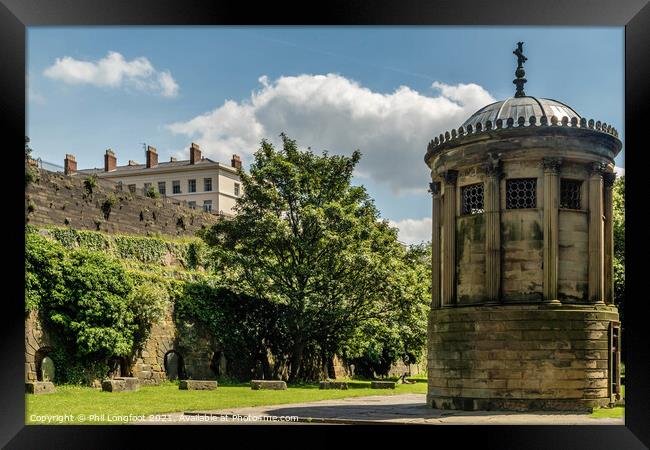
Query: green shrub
93	309
67	237
72	369
90	183
152	193
149	302
196	254
108	205
92	240
43	269
147	250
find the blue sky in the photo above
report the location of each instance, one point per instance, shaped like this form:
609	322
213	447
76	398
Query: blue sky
384	90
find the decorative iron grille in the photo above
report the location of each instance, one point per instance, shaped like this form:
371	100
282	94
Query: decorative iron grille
473	199
570	194
521	193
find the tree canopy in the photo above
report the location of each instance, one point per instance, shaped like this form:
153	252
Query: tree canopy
305	238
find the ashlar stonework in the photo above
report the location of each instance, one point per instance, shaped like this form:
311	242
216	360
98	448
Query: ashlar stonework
522	314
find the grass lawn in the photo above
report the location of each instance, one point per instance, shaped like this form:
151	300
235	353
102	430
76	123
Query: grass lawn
615	412
75	401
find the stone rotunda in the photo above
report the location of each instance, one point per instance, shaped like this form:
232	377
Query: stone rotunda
523	315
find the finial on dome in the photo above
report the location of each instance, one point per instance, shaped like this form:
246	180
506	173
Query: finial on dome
520	72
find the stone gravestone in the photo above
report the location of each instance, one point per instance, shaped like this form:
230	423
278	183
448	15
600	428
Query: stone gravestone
47	369
197	385
276	385
173	362
382	385
333	385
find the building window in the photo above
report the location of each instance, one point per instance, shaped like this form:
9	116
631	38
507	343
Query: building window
237	189
176	187
162	187
191	185
207	205
207	184
521	193
132	188
473	198
191	205
570	194
147	186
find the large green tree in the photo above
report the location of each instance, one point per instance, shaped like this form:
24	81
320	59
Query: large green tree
378	344
308	239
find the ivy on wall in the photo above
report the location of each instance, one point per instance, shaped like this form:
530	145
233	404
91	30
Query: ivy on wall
191	253
99	294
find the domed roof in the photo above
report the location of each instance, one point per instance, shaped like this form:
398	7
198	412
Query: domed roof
515	107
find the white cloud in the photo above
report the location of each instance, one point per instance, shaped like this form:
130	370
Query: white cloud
332	112
413	231
32	95
620	171
114	71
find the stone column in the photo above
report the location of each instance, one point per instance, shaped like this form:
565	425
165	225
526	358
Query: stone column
492	230
436	211
551	227
449	239
608	181
596	234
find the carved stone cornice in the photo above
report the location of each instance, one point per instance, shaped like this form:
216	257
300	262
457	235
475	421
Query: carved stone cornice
597	168
552	164
434	188
450	176
493	166
609	178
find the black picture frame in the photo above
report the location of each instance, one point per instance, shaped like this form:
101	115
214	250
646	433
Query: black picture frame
634	15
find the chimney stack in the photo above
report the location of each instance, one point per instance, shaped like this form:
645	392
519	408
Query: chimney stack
110	161
69	164
195	153
236	161
152	157
172	159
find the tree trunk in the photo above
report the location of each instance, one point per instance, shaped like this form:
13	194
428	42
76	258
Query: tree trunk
266	366
296	361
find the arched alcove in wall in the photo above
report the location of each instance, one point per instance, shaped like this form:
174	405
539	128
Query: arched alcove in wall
174	365
45	370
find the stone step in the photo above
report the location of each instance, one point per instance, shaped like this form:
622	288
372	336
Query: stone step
276	385
39	387
197	385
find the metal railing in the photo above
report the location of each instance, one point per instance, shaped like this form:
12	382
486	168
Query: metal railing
45	165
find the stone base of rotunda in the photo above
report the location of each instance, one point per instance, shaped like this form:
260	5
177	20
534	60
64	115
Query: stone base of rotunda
520	357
